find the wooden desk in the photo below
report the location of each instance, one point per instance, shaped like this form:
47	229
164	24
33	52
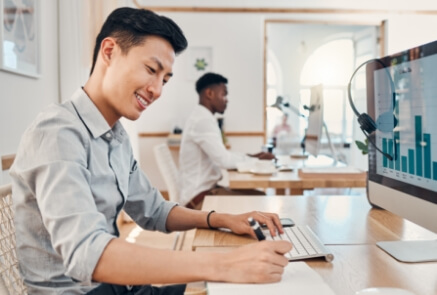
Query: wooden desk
349	228
6	161
292	181
289	180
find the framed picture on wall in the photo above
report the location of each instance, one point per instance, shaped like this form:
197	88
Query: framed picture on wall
19	36
199	61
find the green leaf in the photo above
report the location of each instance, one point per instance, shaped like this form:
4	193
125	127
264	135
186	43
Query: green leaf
362	146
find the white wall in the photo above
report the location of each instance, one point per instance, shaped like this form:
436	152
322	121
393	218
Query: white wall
337	4
21	98
236	58
237	42
237	51
405	32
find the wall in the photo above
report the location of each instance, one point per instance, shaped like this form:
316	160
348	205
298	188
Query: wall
235	55
232	45
401	34
237	42
21	98
269	4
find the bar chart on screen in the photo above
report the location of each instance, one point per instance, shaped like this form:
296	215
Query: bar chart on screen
411	142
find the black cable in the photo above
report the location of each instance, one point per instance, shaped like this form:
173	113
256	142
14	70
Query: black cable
367	124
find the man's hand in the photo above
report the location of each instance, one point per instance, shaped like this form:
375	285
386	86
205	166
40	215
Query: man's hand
239	224
263	156
261	262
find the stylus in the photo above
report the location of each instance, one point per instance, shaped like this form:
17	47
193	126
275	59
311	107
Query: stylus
257	229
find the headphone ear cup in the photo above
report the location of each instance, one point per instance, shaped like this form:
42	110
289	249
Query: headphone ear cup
366	123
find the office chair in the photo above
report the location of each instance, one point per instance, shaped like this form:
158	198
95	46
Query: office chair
170	174
168	169
11	282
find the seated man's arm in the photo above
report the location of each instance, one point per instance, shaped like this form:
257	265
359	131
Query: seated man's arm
57	212
181	218
124	263
144	203
207	135
262	156
140	265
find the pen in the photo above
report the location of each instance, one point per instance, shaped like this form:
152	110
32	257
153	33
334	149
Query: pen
257	229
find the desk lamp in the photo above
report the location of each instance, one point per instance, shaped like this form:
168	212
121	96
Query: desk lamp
281	105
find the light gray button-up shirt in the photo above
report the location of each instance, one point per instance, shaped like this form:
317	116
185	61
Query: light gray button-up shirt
71	177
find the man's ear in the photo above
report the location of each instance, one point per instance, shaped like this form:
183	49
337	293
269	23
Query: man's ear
107	50
209	93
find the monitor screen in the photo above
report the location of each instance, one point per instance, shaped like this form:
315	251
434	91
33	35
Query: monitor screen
402	99
313	135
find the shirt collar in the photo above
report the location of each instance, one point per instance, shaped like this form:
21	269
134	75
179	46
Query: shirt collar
205	110
90	115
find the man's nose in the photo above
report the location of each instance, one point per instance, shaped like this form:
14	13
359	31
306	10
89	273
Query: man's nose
155	89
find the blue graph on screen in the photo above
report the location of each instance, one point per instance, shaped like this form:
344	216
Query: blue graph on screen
413	141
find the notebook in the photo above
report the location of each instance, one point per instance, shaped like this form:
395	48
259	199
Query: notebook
298	278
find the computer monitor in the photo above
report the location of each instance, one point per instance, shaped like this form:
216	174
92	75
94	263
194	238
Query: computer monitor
313	134
402	99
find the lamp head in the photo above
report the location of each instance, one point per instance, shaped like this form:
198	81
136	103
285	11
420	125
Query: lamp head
278	103
309	108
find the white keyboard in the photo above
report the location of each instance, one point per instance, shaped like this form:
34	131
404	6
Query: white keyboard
305	243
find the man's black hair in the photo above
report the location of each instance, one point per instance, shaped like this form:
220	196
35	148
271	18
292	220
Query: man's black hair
209	79
131	26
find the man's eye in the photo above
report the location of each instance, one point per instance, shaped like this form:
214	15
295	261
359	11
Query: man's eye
152	70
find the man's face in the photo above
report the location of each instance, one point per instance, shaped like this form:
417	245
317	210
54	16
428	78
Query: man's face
219	98
133	81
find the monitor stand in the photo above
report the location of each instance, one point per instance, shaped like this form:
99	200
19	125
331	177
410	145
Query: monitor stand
411	251
334	154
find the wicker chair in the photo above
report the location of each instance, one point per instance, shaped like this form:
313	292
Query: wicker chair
11	282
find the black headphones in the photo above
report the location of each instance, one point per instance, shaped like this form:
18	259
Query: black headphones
367	124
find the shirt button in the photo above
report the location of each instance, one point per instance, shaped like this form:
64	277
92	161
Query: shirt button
108	135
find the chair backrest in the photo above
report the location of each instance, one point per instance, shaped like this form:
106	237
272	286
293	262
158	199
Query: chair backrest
11	282
168	169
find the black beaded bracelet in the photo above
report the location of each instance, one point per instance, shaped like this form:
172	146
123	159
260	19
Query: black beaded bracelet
207	219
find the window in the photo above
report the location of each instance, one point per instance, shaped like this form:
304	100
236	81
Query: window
332	65
274	88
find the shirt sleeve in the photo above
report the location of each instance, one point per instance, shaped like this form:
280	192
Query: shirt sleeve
206	134
54	169
145	204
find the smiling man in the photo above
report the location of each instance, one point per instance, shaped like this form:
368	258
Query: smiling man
74	172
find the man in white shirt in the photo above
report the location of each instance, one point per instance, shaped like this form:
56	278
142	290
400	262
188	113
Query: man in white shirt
202	153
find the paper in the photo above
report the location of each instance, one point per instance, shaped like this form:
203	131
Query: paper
333	170
298	278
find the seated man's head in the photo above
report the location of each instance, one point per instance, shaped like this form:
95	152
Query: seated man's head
213	92
132	60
